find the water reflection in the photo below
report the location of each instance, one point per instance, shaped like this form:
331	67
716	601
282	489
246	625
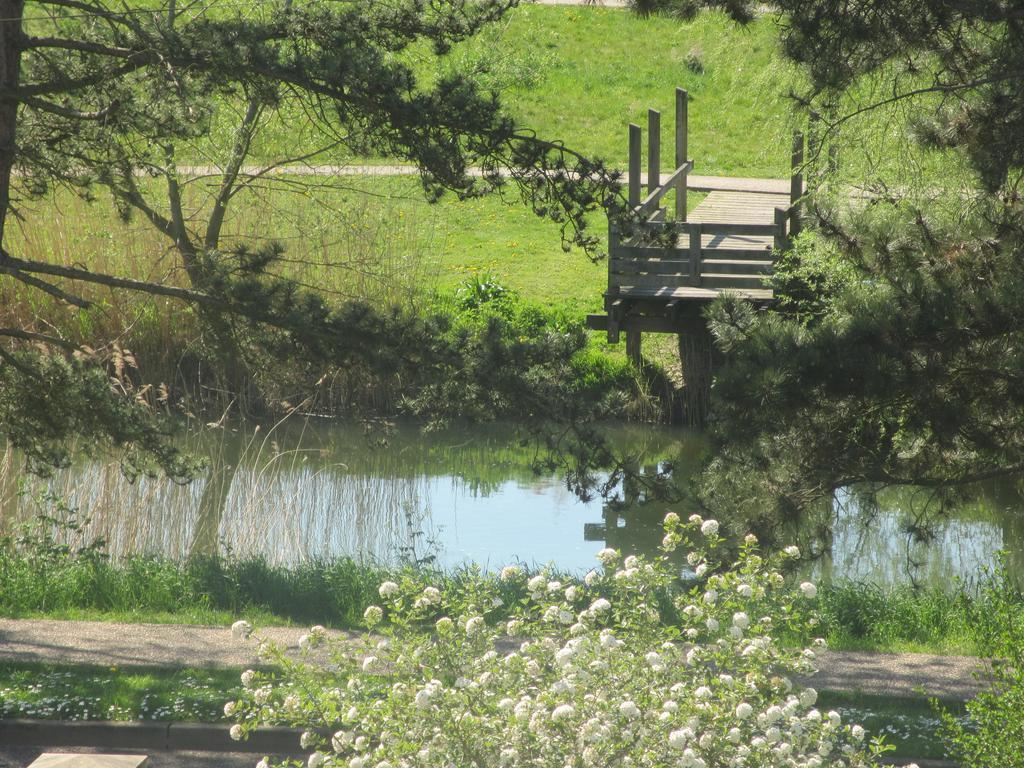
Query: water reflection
467	496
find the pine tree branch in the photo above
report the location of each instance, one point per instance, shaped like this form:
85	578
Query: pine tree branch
67	85
44	286
73	114
99	278
18	333
84	46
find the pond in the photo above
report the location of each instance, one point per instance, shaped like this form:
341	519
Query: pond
320	490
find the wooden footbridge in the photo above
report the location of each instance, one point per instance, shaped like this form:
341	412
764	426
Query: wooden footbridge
663	269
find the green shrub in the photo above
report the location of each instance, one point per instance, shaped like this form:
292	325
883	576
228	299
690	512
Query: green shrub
994	729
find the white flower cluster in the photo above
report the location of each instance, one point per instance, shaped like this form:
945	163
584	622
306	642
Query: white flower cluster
592	674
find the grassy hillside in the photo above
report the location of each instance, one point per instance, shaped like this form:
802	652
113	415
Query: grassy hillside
581	74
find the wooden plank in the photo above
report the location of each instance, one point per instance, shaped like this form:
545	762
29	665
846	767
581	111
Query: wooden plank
88	760
748	198
723	247
641	252
616	312
633	349
656	195
738	254
648	281
650	266
722	228
726	214
695	238
725	205
701	294
737	266
740	200
739	241
756	214
780	230
796	182
645	323
710	280
741	195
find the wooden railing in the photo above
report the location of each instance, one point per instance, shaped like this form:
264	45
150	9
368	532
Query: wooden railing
640	253
656	190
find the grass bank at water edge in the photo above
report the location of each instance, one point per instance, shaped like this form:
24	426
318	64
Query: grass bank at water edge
218	590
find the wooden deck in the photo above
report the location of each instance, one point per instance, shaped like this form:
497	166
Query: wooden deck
664	268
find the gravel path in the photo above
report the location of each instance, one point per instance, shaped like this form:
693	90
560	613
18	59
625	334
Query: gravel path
102	643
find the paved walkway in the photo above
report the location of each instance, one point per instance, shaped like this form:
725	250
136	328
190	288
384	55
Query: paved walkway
102	643
696	183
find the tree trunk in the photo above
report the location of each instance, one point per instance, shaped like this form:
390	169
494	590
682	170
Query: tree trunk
695	356
10	78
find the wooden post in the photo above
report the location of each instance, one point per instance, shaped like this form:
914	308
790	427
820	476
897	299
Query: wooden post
695	357
633	348
781	242
616	313
681	151
634	165
695	235
796	183
653	150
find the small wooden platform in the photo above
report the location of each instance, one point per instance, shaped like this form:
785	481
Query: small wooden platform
665	266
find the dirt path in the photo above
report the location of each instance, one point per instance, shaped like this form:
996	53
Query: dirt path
107	644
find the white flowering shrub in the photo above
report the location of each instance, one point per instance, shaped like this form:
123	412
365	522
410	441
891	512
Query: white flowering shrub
582	674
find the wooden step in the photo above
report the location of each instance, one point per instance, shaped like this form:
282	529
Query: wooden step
736	266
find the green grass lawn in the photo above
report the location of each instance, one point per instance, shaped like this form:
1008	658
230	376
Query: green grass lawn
602	68
66	692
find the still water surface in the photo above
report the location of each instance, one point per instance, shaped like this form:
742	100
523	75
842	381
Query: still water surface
465	495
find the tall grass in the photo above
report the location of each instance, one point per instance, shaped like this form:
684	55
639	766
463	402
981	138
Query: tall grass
899	617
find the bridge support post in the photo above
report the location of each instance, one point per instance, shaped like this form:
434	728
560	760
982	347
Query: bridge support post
633	348
695	356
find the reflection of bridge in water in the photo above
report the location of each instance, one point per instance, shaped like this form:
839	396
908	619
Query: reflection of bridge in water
632	523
